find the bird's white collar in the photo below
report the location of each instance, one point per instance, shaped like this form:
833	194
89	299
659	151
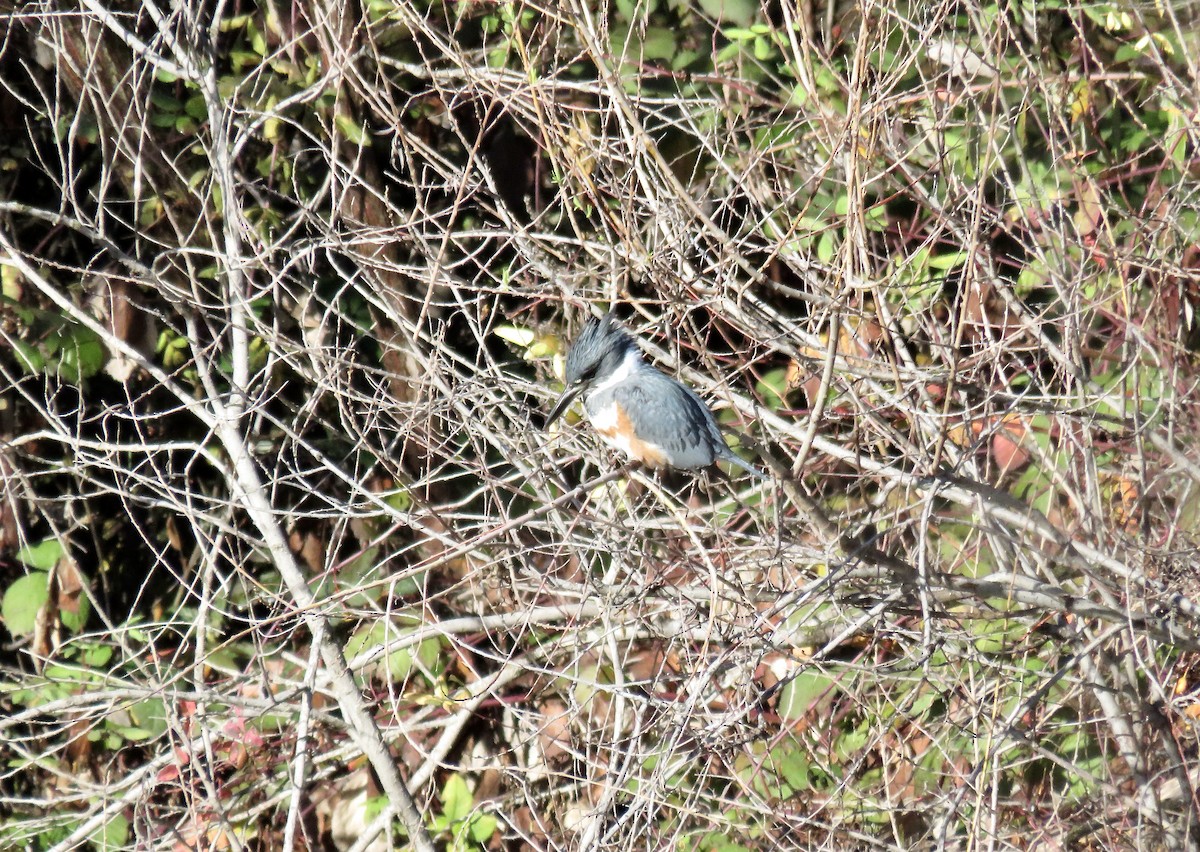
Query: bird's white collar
627	367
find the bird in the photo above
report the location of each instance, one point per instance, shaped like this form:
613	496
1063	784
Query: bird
638	409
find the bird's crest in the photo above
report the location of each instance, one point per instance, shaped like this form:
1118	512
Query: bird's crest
601	340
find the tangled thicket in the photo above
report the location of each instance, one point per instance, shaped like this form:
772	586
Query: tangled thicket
288	561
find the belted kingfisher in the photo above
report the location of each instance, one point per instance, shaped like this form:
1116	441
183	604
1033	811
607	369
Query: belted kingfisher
639	410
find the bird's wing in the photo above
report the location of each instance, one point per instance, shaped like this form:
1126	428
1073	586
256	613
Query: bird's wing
671	416
719	445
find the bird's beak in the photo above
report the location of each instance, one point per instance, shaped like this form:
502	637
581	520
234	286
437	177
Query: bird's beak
564	402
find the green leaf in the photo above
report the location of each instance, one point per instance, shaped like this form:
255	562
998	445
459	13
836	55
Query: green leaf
165	102
355	577
235	22
800	695
738	34
522	338
114	834
74	618
243	59
851	743
29	357
535	345
375	806
456	799
483	826
80	353
96	656
11	289
399	499
44	555
826	247
950	260
196	107
763	49
794	767
772	387
22	600
148	718
740	12
716	842
660	43
399	665
351	130
151	211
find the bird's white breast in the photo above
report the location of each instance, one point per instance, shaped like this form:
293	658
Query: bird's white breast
601	410
601	407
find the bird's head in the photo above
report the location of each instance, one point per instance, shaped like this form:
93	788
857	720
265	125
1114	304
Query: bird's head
597	353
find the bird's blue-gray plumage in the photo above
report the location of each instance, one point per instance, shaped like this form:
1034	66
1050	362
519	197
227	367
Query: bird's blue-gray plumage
669	421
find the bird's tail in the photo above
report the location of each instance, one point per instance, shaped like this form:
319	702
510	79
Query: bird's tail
734	459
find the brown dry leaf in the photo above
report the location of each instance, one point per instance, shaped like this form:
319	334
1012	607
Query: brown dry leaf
110	299
1006	444
309	548
857	338
65	589
912	749
10	534
1122	496
647	664
554	735
174	539
69	584
986	317
202	834
45	632
79	747
774	667
899	778
1008	432
581	143
65	586
1090	212
347	813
